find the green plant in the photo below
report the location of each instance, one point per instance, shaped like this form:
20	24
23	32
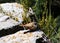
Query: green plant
26	3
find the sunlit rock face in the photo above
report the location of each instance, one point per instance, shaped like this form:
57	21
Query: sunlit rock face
10	18
13	10
10	15
29	37
20	37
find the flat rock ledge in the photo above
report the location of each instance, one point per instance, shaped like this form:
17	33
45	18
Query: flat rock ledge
20	37
29	37
10	15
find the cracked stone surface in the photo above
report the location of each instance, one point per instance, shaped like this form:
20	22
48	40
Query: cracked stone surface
10	15
20	37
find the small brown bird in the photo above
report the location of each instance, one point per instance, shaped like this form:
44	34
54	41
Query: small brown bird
30	26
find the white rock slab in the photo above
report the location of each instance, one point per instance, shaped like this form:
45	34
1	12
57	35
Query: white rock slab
20	37
9	12
13	9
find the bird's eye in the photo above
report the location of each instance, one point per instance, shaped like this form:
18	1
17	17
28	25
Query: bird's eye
35	23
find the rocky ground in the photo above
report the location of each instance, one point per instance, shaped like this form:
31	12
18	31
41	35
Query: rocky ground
20	37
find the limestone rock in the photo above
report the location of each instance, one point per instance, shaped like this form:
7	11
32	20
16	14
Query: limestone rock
20	37
10	15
